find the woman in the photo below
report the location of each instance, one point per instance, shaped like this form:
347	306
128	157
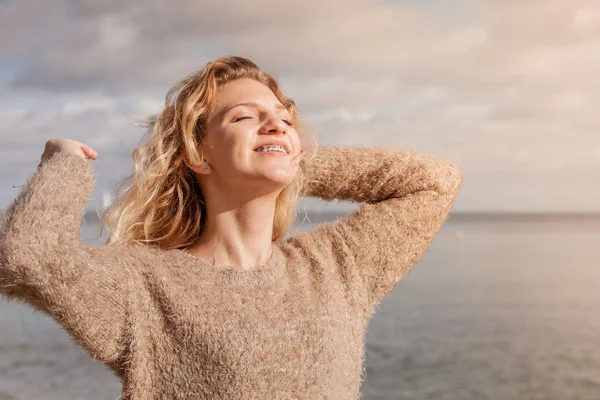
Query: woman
197	293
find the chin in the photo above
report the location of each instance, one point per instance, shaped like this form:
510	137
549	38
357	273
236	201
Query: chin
285	177
281	182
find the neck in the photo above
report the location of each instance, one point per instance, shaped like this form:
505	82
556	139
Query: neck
237	234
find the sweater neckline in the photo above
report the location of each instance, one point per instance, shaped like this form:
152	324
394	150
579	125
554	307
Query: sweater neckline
266	273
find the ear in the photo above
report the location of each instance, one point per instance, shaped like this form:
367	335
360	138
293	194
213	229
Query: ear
199	169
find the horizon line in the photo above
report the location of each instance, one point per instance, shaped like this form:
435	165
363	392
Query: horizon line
457	212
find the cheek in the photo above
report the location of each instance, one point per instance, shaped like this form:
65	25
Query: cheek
297	142
239	153
230	145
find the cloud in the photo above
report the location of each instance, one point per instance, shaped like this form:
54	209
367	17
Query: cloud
75	107
506	89
23	27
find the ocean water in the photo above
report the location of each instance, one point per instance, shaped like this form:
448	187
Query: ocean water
503	309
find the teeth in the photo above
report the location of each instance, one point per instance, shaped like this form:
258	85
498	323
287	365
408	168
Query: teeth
272	147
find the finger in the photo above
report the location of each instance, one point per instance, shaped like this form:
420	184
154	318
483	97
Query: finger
86	148
89	152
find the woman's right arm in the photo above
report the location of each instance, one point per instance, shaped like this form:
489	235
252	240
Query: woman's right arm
44	263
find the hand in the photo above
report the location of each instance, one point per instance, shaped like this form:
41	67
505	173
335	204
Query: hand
69	146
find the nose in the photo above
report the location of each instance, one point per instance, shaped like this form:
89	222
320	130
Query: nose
274	125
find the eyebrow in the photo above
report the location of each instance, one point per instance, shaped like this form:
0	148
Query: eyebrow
253	104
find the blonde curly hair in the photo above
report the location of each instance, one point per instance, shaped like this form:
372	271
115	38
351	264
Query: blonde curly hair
161	203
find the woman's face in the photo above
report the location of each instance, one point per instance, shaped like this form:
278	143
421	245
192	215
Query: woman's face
235	131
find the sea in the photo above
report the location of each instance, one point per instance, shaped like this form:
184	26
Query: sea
500	307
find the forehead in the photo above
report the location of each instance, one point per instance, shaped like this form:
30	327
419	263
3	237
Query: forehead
244	91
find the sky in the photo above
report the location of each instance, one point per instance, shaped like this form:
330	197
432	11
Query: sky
508	90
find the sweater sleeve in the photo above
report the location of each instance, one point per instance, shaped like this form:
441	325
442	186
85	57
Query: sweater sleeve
406	198
43	262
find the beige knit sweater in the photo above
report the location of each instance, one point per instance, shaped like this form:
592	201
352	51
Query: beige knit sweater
171	326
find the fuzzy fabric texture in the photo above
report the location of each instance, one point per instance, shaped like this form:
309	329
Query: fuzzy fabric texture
171	326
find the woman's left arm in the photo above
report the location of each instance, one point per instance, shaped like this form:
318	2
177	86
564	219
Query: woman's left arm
406	198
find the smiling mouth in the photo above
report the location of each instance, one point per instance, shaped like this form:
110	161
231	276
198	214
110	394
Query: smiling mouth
272	152
272	149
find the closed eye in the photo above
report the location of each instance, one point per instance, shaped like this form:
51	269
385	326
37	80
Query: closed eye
240	118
